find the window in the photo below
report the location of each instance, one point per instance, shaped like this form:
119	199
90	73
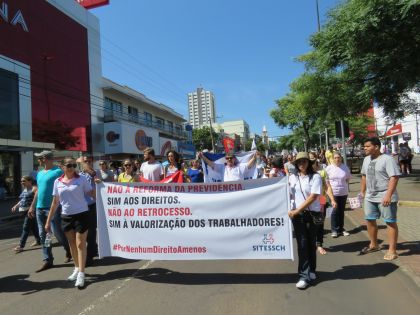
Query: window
133	113
178	129
9	105
148	118
113	105
171	126
160	122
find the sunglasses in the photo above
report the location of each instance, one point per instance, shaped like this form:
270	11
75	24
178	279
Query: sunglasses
71	165
23	181
127	165
229	158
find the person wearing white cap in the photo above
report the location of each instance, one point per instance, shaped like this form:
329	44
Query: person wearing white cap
305	188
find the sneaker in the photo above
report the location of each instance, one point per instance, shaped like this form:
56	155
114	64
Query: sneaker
345	233
73	276
302	285
312	275
334	234
80	282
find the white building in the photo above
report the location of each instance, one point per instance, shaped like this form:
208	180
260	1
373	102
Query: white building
401	130
133	122
231	128
201	108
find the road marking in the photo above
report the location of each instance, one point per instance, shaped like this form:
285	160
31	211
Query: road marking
115	290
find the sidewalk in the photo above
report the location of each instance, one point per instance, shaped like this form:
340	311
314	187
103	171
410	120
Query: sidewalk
408	217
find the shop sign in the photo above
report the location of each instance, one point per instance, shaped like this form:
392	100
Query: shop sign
16	18
90	4
142	140
167	145
394	130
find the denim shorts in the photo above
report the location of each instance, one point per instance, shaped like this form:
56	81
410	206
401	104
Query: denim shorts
375	210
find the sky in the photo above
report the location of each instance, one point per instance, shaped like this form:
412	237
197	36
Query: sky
242	50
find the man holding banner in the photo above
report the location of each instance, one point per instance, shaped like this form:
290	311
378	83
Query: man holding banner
233	170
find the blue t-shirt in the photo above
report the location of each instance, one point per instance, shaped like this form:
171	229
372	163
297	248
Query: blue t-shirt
196	175
45	181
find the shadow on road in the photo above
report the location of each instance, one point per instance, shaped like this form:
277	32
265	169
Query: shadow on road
363	227
358	272
160	275
19	283
354	247
408	248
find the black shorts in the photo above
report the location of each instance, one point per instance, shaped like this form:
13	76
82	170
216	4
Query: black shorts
78	222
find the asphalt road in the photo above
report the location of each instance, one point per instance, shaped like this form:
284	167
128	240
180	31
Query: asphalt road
347	284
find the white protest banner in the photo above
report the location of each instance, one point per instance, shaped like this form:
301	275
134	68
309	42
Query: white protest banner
216	175
232	220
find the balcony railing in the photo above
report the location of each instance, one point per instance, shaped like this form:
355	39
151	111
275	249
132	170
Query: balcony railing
110	116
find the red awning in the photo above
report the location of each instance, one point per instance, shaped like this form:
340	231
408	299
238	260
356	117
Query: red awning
394	130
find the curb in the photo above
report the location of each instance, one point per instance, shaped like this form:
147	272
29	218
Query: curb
404	203
9	218
406	269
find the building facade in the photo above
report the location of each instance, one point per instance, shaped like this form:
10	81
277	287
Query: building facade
133	122
201	108
402	130
50	74
236	127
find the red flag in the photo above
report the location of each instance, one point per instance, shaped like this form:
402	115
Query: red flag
174	178
229	144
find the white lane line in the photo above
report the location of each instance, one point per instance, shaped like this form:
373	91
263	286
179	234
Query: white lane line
115	290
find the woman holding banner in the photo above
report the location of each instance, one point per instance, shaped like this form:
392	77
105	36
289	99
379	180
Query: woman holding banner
69	191
173	166
128	176
305	188
232	170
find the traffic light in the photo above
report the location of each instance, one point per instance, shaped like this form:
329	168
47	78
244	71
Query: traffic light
338	129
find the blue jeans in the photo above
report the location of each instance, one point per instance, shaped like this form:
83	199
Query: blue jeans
305	232
337	215
29	224
41	217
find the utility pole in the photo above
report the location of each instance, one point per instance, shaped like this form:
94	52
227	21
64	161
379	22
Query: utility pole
319	29
211	135
317	15
343	142
417	128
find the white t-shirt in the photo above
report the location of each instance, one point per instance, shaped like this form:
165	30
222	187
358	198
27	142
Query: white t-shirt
337	177
72	194
309	186
276	172
230	174
152	171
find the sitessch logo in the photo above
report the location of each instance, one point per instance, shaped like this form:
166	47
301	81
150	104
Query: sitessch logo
268	245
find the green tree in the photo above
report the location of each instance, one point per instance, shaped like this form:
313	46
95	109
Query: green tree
202	138
374	46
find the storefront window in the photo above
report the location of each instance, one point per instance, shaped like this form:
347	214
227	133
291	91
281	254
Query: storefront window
9	174
9	105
